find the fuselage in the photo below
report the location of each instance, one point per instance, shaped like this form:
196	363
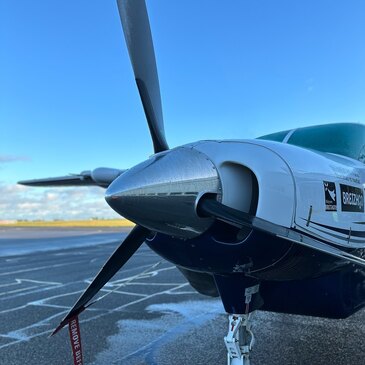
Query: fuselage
287	186
318	193
301	197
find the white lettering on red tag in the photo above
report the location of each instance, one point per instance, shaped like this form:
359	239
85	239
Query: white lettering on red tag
75	338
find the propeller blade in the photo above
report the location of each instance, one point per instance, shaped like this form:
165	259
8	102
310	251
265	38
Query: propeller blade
101	176
120	256
137	33
83	179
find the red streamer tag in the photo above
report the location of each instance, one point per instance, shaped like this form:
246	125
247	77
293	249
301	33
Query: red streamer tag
75	338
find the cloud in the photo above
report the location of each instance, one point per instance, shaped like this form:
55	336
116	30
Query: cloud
23	202
12	158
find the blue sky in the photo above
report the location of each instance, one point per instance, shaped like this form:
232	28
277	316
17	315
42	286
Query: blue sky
235	69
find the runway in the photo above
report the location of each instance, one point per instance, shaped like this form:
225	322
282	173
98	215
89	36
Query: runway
155	318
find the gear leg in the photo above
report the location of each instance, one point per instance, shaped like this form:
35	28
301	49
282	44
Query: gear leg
240	339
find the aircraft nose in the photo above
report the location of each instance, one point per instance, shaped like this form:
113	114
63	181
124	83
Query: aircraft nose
162	192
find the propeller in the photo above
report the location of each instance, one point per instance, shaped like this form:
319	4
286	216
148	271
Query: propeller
115	262
101	176
171	182
137	33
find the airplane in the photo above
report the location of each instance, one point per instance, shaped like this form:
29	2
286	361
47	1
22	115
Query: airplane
275	223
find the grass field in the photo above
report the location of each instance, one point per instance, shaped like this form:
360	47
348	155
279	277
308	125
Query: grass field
74	223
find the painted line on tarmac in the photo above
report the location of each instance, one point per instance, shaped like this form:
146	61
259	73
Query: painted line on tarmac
41	268
20	334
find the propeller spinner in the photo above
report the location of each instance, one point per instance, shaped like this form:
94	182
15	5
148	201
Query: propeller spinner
162	193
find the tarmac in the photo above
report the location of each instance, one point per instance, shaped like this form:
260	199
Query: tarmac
150	315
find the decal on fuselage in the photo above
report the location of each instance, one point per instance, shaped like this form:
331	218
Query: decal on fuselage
330	196
352	199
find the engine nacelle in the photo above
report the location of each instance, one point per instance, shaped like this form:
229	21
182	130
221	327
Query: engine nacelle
255	179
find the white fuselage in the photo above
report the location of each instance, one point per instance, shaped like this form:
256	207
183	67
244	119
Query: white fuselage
318	193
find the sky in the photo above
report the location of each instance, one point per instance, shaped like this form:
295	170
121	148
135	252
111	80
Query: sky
227	70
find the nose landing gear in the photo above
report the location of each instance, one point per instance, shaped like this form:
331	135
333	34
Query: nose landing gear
240	339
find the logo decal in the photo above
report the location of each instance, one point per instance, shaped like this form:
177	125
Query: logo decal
352	199
330	196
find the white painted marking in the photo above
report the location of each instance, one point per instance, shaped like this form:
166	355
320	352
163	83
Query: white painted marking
186	292
141	283
40	282
41	268
10	294
10	284
13	309
19	290
142	276
38	290
27	333
62	306
21	336
44	300
123	292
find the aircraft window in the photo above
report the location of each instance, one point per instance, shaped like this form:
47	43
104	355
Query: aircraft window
343	139
277	137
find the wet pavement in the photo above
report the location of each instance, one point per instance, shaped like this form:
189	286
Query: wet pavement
150	316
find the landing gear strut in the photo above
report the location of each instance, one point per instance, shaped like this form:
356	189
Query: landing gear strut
240	339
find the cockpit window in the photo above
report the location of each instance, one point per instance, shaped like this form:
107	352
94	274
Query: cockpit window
345	139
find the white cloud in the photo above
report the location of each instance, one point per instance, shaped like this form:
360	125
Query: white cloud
12	158
22	202
51	196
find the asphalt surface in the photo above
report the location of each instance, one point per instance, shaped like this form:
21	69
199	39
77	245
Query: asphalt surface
154	318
